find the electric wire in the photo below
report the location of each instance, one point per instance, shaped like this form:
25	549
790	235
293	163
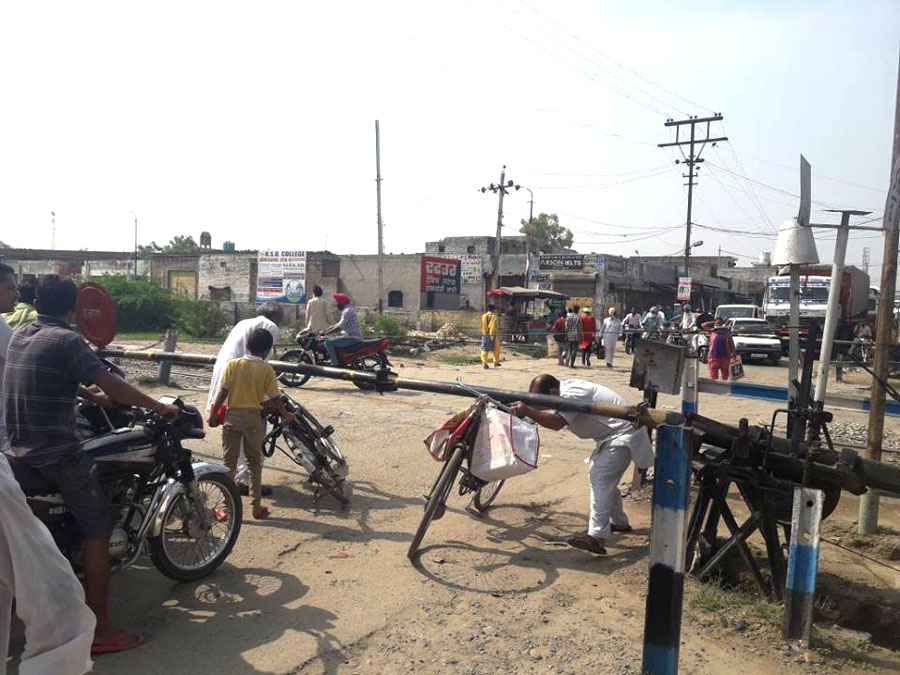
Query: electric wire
591	76
594	63
609	58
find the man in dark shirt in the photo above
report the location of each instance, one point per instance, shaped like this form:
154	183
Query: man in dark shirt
47	365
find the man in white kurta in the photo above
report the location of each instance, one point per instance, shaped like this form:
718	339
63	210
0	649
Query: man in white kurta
617	443
611	329
59	627
235	346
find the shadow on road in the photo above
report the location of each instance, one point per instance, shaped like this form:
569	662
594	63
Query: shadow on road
531	550
216	624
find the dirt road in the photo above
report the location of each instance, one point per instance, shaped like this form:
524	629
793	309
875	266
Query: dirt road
319	590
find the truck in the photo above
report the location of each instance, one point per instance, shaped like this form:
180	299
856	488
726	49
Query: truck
815	284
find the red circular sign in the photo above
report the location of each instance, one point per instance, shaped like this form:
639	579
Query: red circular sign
95	314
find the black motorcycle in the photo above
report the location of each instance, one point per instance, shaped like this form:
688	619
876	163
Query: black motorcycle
185	514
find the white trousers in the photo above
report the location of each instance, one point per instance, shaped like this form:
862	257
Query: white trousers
607	466
609	347
59	627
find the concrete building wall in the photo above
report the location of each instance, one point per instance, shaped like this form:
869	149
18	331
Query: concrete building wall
176	272
234	271
322	269
359	279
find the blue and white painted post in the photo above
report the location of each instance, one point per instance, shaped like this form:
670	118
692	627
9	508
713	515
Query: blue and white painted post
690	399
665	591
803	563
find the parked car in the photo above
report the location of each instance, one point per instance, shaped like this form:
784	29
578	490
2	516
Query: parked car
755	337
726	312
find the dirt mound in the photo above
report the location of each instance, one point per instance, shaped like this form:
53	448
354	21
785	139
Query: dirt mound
449	330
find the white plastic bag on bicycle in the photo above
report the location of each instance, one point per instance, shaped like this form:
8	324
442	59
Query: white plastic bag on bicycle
505	446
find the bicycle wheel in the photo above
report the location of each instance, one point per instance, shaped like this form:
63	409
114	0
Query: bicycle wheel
485	495
438	497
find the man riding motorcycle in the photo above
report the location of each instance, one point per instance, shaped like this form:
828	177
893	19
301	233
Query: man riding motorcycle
47	367
348	324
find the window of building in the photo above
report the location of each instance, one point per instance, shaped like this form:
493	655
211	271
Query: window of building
470	249
440	248
222	293
395	299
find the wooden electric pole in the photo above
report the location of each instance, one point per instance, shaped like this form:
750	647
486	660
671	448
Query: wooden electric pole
868	503
380	274
691	159
500	189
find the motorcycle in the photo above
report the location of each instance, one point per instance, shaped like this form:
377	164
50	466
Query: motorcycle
368	356
187	515
309	445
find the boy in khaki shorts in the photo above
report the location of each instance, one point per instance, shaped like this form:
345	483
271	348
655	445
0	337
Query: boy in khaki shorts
249	385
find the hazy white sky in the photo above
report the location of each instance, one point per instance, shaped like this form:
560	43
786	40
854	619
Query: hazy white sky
255	121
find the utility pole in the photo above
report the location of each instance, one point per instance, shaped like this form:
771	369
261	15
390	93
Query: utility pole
528	237
691	159
500	189
865	259
868	503
380	224
135	244
53	233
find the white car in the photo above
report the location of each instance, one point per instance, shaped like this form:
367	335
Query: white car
755	337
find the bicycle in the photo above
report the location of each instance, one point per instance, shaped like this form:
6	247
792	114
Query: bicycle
459	446
309	445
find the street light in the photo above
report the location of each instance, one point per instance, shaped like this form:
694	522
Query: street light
697	243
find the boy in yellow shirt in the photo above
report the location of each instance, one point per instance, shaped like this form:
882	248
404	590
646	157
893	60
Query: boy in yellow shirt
249	385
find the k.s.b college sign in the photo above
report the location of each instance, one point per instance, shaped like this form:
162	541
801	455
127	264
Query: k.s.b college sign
571	263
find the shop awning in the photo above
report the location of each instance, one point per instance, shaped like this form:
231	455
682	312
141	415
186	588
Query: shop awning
522	293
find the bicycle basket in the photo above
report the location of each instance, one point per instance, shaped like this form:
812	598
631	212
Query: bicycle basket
505	446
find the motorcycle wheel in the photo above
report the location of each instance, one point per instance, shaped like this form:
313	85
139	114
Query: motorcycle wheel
703	354
327	446
369	364
294	379
177	551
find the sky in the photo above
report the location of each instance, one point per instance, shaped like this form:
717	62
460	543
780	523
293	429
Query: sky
256	121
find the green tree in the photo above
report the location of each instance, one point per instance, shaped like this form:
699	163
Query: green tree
178	245
546	231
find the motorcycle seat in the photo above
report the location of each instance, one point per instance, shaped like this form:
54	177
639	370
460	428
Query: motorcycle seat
32	481
365	344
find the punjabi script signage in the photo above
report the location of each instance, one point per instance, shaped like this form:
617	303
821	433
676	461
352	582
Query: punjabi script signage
440	275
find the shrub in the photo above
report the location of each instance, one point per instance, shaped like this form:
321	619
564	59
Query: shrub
201	319
385	324
141	305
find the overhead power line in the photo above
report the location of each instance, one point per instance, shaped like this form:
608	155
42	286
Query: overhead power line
611	59
592	76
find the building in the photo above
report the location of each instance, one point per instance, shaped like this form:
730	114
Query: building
32	262
402	281
477	257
